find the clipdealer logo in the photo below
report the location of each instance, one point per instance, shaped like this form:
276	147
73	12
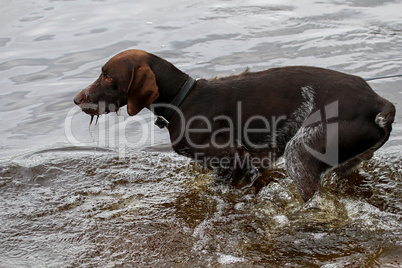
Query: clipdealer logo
320	125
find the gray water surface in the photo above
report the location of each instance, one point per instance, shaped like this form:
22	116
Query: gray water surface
74	196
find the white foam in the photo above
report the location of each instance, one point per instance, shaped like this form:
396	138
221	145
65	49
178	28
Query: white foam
229	259
282	220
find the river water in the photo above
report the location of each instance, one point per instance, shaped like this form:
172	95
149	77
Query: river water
115	195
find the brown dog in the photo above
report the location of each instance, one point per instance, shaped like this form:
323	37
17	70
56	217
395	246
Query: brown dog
318	119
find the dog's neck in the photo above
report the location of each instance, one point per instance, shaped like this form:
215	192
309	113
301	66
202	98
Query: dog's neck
169	79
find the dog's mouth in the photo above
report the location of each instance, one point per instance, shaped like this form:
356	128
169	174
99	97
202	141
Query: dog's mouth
97	110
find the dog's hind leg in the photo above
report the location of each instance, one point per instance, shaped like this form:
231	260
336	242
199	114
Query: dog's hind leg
345	169
303	167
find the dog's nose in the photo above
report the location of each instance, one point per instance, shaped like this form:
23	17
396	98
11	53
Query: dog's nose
78	99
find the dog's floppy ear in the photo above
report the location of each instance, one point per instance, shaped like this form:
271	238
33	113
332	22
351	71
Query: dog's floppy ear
142	90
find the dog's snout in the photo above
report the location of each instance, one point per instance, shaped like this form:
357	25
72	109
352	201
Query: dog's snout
78	99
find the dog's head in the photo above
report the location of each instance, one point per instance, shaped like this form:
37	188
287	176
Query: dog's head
125	79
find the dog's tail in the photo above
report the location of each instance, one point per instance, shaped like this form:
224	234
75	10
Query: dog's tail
386	117
384	120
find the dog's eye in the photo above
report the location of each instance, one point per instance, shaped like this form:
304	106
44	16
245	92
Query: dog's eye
107	77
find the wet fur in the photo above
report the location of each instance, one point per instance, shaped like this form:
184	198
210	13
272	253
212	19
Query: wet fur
140	79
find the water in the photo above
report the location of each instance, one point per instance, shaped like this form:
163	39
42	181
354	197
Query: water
104	197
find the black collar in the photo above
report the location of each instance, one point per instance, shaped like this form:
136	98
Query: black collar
163	120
